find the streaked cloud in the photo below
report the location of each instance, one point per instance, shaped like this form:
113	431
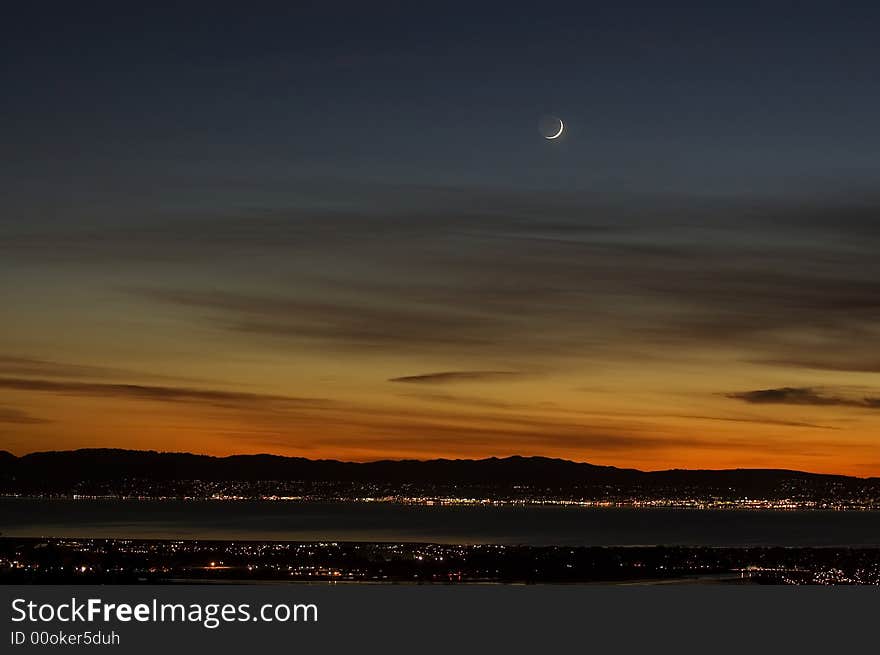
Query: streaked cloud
828	361
10	415
156	393
803	396
544	277
451	377
12	365
353	323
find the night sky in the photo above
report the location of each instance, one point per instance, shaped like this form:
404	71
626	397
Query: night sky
334	230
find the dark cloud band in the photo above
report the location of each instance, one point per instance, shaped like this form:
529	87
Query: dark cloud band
803	396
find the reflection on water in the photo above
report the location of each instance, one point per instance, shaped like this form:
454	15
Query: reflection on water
400	523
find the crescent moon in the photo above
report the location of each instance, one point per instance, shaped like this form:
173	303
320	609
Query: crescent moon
557	135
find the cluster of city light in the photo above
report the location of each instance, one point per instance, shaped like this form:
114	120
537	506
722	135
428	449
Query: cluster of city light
343	561
787	503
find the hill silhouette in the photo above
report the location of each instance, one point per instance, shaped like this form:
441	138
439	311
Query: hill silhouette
62	470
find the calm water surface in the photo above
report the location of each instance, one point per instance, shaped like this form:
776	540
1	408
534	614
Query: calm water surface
388	522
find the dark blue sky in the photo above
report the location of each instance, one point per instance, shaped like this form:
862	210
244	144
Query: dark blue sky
761	97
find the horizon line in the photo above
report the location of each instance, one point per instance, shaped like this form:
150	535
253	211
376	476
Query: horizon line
433	459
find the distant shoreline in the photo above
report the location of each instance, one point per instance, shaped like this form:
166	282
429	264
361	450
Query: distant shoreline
756	505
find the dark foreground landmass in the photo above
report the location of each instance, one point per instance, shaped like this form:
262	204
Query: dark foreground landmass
123	561
127	473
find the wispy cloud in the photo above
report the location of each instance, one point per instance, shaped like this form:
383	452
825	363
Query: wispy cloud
448	377
828	361
803	396
462	401
157	393
351	321
541	280
9	415
15	365
519	276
